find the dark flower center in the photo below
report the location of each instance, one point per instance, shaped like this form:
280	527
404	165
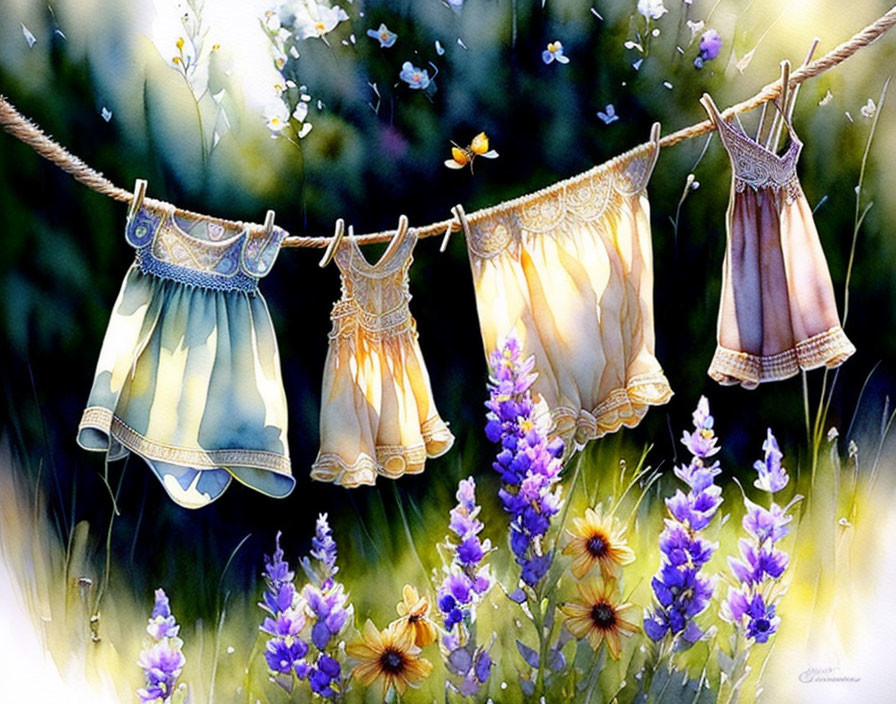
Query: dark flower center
392	661
597	545
603	615
413	618
762	625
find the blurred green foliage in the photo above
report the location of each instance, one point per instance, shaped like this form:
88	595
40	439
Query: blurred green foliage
63	255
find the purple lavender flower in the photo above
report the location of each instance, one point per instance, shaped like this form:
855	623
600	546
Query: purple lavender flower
772	476
710	46
327	604
163	661
528	462
757	563
756	618
463	587
681	592
761	565
285	651
765	523
323	547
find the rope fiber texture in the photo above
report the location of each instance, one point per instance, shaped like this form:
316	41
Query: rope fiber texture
28	132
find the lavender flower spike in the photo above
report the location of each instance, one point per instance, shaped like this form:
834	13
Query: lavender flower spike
682	593
285	651
772	476
162	661
529	463
327	604
464	585
750	606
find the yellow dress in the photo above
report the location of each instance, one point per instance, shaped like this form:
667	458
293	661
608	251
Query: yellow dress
378	416
568	270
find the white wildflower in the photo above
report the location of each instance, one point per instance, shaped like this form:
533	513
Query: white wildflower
869	108
652	9
276	115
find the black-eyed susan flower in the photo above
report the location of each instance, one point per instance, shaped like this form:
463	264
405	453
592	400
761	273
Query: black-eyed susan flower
597	540
390	657
598	616
414	612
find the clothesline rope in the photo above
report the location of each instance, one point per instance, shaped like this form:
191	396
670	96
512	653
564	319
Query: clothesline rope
28	132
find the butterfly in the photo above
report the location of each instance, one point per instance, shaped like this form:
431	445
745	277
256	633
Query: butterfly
462	156
608	116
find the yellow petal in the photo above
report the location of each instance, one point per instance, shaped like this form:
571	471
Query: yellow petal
626	626
361	651
581	566
371	635
613	644
595	636
426	633
589	592
417	670
410	594
397	682
479	145
459	155
576	546
367	673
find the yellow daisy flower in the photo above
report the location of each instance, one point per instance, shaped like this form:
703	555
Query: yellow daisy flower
415	612
389	656
600	540
596	617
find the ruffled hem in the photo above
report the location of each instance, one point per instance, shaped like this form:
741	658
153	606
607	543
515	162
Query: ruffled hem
120	438
392	461
623	407
827	349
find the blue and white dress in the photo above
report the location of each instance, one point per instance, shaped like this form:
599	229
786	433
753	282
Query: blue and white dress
189	373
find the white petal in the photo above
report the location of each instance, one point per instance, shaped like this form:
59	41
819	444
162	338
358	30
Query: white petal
29	37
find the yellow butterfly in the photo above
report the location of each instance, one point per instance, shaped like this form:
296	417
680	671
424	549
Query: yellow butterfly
462	156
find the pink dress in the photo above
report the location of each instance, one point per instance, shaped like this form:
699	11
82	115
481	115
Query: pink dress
777	314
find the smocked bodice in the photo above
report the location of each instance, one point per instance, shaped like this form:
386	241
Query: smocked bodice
201	253
374	296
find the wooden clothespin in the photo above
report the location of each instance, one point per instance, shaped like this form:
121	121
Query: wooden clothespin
456	224
402	227
269	224
655	130
137	198
334	243
788	109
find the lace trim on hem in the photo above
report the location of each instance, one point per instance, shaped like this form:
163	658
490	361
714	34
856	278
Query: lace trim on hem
622	407
330	467
826	349
105	421
392	461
